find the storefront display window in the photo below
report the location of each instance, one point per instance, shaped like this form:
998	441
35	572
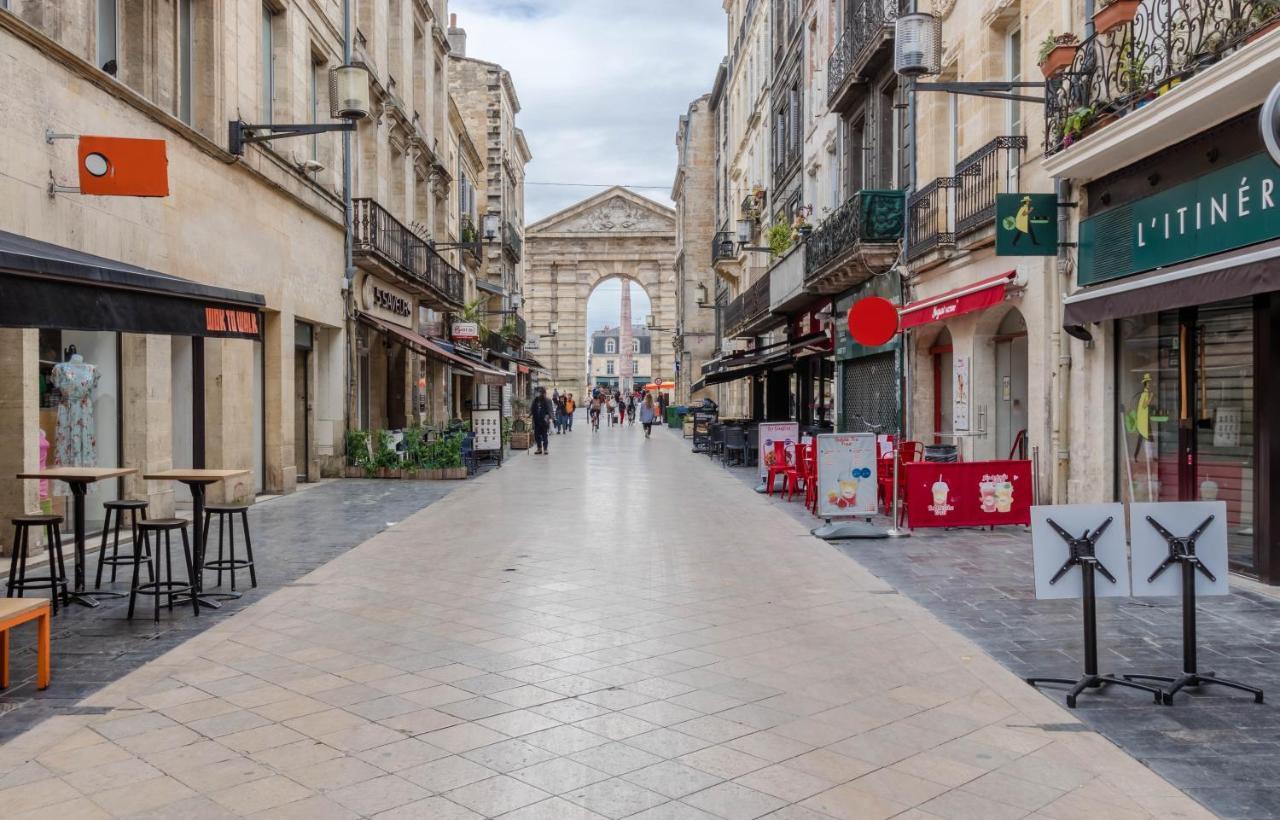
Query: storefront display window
1185	387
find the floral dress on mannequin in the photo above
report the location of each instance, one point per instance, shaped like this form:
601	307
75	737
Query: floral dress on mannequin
76	440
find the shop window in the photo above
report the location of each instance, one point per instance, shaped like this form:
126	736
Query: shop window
107	39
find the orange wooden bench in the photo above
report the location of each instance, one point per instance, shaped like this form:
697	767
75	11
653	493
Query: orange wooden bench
16	611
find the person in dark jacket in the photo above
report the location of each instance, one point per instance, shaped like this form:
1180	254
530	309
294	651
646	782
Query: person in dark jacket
542	411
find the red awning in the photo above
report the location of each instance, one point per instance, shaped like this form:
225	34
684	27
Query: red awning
978	296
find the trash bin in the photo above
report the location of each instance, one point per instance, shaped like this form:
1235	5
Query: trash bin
941	453
673	416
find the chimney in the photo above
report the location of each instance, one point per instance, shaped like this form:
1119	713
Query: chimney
457	37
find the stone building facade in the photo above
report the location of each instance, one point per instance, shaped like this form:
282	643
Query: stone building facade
694	195
613	234
604	362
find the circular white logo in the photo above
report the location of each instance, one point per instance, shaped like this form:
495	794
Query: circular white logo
96	164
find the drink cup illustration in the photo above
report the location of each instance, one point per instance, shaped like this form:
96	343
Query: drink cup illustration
987	494
940	492
1004	497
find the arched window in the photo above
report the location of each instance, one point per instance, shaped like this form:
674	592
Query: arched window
635	345
610	345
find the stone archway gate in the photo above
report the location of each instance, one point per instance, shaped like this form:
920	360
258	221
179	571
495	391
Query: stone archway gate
615	233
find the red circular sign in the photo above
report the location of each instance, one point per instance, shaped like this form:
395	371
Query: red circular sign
873	321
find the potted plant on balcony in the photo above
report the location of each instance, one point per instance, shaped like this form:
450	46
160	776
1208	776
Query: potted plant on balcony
800	227
1076	123
779	238
1057	51
468	230
1113	14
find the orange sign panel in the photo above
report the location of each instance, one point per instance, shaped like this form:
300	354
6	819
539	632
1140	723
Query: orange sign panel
121	166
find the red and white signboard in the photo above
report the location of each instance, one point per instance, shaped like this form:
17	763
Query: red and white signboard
846	474
465	330
787	432
968	493
122	166
978	296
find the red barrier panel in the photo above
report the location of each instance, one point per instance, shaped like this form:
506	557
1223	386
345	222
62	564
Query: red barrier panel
968	493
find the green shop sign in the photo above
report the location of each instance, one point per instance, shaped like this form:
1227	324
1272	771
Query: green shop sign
1026	224
1226	209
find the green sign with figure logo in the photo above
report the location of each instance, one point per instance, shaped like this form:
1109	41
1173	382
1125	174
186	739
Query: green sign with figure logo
1026	224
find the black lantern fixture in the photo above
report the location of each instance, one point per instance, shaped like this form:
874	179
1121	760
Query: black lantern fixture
349	93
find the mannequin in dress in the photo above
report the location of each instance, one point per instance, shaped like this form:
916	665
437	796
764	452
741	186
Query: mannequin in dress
75	440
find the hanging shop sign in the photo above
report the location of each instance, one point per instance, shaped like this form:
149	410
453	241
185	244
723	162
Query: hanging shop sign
1220	211
968	493
121	166
846	474
388	303
465	331
787	432
1026	224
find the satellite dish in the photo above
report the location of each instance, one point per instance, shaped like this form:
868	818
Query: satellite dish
1269	123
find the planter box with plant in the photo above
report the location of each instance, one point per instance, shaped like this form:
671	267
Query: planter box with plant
778	238
1114	14
1057	52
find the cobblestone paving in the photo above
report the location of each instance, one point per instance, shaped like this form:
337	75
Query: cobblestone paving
1221	748
292	535
611	631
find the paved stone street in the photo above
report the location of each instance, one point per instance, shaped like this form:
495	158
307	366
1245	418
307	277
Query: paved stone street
617	630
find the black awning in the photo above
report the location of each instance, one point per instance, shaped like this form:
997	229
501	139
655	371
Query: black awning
1212	279
48	286
747	366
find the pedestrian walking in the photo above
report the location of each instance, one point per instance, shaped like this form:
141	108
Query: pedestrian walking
569	407
612	408
647	414
631	410
542	411
593	414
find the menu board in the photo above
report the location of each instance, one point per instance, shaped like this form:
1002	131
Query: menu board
787	432
968	493
846	474
487	425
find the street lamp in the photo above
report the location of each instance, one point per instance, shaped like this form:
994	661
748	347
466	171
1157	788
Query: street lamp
489	224
917	52
349	95
553	328
746	227
702	298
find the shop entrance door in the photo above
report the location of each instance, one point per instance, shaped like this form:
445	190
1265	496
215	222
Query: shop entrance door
303	343
395	389
1011	387
940	354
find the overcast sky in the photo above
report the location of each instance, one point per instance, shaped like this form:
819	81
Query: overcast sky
602	84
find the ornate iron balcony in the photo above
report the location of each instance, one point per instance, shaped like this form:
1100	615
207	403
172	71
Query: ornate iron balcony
838	64
1120	70
867	216
929	217
512	242
870	23
376	233
990	170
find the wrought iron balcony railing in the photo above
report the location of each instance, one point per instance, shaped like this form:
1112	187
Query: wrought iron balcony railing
869	23
1122	69
723	246
991	170
733	315
755	300
867	216
930	222
377	233
512	242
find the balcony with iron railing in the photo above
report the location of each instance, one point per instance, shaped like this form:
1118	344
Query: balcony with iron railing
980	177
385	242
859	239
1126	67
723	247
512	241
867	33
930	218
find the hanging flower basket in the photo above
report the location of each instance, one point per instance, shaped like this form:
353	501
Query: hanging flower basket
1115	14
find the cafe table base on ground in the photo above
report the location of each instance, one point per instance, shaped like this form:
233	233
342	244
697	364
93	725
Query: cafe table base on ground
78	480
198	481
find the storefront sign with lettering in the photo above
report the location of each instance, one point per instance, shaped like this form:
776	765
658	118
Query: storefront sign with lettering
387	302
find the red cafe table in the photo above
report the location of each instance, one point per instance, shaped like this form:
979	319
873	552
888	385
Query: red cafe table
198	481
78	480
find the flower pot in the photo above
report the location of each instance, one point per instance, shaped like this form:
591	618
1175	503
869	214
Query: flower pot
453	473
520	441
1117	14
355	472
1059	58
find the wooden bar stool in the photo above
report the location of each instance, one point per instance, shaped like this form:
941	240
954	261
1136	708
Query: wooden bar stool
15	613
226	514
137	511
163	564
57	577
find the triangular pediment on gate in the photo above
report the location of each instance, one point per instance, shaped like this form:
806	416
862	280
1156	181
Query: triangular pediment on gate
616	210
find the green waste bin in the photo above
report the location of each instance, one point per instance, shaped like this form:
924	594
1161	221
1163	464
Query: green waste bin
673	416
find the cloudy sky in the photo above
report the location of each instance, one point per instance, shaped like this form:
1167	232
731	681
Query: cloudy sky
601	83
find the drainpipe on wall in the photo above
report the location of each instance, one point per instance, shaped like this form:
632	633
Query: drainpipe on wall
348	241
1062	375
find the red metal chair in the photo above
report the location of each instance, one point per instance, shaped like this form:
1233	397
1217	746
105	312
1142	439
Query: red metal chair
811	481
909	451
797	470
779	466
